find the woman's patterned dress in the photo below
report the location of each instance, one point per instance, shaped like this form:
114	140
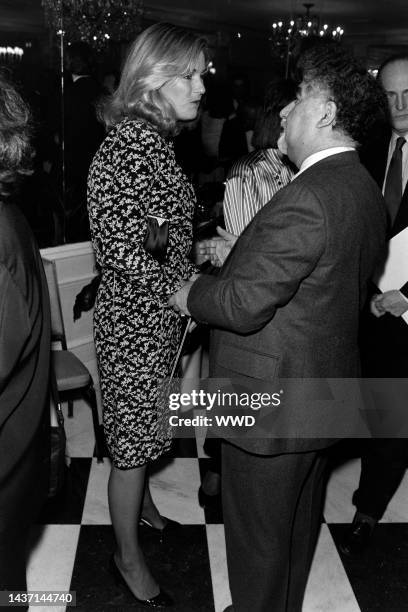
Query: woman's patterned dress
134	176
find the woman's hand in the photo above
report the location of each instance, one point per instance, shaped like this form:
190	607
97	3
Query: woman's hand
218	248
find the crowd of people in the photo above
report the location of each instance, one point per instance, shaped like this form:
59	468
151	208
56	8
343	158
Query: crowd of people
70	128
316	197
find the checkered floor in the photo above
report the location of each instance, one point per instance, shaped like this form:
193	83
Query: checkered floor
73	540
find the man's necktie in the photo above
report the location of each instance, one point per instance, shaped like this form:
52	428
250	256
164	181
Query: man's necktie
393	182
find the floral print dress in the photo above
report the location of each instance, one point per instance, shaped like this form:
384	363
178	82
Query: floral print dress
134	177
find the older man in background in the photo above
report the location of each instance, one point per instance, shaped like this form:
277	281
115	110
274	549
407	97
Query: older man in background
384	337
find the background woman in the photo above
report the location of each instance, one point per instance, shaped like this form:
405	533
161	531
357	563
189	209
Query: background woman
25	344
141	207
255	178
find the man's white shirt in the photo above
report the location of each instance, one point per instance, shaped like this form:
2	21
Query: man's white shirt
316	157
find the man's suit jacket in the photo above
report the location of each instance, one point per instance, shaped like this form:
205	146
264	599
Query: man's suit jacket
287	301
374	157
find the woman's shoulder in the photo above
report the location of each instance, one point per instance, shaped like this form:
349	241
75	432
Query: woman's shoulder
137	135
136	128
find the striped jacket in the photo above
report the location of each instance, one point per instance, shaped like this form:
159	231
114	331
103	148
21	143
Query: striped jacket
252	181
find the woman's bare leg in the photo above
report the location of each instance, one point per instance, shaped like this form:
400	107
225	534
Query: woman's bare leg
149	509
126	490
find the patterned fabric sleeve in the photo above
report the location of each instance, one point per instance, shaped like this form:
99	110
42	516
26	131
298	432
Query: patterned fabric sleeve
135	190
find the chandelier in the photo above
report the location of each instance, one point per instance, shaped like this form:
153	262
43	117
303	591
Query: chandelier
94	21
11	54
285	37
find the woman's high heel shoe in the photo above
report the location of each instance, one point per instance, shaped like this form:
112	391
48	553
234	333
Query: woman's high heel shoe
162	600
169	524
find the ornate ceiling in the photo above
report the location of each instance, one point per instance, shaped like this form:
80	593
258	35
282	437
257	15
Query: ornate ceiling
383	21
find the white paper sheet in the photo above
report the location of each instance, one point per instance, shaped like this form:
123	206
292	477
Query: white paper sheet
394	274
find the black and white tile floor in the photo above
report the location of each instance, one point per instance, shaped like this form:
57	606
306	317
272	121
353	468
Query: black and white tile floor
73	540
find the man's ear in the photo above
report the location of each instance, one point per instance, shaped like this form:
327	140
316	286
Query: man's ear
329	117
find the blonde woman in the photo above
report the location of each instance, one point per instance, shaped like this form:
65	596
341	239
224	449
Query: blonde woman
141	207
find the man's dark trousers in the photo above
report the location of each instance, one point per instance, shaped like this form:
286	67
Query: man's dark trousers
265	488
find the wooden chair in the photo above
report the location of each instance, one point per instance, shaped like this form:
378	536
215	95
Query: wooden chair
71	374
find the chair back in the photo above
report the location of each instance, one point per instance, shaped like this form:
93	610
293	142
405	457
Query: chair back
57	322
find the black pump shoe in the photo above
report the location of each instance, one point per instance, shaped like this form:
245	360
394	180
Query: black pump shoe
162	600
169	525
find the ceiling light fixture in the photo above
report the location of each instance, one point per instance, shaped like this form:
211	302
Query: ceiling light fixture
285	36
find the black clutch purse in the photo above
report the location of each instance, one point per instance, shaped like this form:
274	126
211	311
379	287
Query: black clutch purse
156	239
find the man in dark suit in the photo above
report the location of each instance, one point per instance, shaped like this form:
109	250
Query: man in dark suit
384	337
286	305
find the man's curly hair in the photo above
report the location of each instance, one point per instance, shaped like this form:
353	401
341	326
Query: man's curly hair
15	132
361	101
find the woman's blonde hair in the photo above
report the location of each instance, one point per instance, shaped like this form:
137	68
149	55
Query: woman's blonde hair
160	53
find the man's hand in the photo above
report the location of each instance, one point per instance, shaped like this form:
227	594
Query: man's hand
178	301
392	302
217	249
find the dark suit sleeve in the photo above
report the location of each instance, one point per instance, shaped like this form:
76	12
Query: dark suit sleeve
274	255
14	329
